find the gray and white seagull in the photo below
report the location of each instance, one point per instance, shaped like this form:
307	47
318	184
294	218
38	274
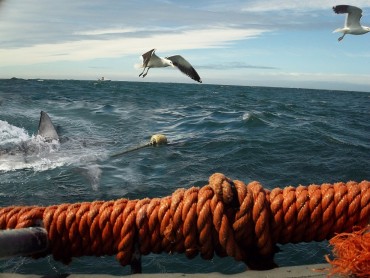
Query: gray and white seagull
151	60
352	24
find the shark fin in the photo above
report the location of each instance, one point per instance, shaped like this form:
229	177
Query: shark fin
46	128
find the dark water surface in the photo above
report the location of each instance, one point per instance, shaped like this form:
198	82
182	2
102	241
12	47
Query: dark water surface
277	136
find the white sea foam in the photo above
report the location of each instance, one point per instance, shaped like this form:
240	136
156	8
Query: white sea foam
246	116
11	134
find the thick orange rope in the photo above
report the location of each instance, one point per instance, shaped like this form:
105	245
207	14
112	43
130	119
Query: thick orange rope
225	217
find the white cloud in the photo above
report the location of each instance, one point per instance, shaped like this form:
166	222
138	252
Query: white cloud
110	31
294	5
92	49
97	32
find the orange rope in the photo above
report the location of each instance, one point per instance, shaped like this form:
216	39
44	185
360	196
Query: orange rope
225	217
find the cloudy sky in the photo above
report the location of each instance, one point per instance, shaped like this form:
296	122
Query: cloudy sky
255	42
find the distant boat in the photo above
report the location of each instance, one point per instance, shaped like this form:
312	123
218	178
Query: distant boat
102	79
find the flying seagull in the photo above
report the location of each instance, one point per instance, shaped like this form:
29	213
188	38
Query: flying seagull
352	23
150	60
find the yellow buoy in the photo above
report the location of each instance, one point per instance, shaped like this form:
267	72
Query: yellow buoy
158	139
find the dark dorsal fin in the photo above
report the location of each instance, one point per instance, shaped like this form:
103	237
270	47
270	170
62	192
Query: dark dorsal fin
46	128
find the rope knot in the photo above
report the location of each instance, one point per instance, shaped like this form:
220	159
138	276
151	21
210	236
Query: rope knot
224	188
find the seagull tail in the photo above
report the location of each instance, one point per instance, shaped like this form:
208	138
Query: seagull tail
138	66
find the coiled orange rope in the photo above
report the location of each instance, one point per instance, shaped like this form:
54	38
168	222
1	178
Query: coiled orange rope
225	217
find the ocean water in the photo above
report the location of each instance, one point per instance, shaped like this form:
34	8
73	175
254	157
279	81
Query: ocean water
277	136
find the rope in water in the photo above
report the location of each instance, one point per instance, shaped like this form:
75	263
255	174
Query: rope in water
155	140
225	217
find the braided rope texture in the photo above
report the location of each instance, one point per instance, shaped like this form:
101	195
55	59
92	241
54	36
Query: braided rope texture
225	217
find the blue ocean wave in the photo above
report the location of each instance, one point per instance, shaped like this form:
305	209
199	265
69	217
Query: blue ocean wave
277	136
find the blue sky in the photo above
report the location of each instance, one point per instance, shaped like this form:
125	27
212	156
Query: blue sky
258	43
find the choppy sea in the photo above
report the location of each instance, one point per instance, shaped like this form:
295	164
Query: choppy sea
277	136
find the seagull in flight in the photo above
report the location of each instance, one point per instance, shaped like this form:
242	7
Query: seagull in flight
352	24
151	60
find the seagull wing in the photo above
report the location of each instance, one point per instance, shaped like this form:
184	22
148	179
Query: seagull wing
146	57
185	67
354	15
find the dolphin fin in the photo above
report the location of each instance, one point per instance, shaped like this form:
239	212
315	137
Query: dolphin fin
46	128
